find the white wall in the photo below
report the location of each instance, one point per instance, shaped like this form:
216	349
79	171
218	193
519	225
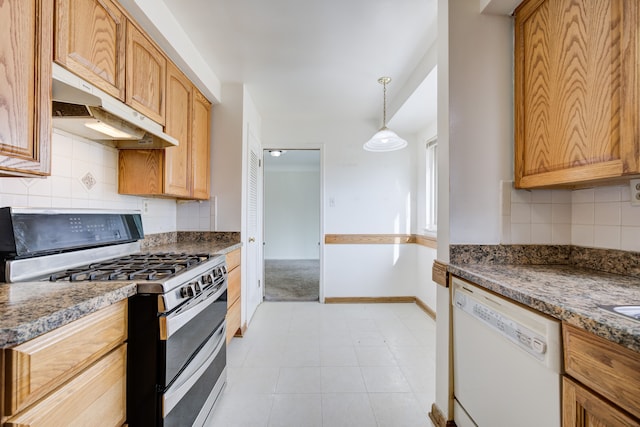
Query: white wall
481	120
475	140
364	192
291	214
72	159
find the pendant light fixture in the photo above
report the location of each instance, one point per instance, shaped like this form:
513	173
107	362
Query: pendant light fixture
385	139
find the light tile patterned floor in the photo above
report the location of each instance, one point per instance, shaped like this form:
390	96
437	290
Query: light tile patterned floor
309	364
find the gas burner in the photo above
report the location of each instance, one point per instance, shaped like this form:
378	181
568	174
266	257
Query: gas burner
143	266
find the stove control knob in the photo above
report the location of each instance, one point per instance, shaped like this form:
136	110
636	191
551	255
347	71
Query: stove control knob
188	291
207	279
197	287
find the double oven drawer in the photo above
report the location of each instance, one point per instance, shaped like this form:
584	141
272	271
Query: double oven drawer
177	360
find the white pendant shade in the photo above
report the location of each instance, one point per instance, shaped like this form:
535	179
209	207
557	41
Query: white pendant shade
385	140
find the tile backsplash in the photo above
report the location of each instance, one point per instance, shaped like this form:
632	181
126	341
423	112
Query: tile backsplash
600	217
84	174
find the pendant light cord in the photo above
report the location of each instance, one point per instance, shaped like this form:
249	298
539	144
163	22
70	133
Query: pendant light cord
384	103
383	81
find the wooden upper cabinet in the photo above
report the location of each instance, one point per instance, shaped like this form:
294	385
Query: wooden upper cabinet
200	148
182	171
178	124
145	75
576	92
25	87
90	41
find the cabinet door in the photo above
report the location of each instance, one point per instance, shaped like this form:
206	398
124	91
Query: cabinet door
38	366
611	370
96	397
140	172
582	408
146	73
200	150
25	87
90	41
575	91
177	170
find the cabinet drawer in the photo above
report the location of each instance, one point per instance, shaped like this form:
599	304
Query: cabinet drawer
233	287
608	368
581	407
36	367
233	259
95	398
233	320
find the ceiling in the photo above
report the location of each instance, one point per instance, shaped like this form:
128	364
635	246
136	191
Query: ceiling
302	59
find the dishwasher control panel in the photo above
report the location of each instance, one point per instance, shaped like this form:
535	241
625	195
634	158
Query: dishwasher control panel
511	329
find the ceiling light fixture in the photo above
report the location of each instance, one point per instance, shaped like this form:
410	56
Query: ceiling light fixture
385	139
277	153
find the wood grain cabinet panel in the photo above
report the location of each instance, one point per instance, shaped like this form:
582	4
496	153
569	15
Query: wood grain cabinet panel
146	69
583	408
96	397
607	368
200	145
90	41
177	166
25	87
233	289
38	366
233	259
234	294
233	320
576	92
182	172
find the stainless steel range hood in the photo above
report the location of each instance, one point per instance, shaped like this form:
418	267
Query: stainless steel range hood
82	109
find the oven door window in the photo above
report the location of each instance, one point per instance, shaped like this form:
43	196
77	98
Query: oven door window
188	401
182	345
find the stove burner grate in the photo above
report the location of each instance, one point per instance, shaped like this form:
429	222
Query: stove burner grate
144	266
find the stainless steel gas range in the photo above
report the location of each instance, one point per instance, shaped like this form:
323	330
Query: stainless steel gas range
176	341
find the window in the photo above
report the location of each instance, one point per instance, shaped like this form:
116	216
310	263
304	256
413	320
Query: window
431	186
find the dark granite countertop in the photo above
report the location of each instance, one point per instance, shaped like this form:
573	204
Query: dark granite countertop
567	292
30	309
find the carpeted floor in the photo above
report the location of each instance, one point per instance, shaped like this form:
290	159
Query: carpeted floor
292	280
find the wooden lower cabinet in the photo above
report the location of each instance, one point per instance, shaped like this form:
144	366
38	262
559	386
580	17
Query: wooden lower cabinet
72	375
602	383
234	308
583	408
96	397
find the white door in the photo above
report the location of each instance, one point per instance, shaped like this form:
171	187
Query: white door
254	226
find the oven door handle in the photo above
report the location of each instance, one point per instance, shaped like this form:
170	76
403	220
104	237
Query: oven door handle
170	324
194	370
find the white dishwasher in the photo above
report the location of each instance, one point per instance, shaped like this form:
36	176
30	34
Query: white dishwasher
506	362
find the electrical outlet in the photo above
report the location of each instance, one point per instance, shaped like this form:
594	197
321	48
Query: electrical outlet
635	192
145	206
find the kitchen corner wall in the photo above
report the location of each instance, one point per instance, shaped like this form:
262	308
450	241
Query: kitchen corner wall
84	174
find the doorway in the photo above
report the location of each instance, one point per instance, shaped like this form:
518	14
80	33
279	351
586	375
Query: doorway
292	213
